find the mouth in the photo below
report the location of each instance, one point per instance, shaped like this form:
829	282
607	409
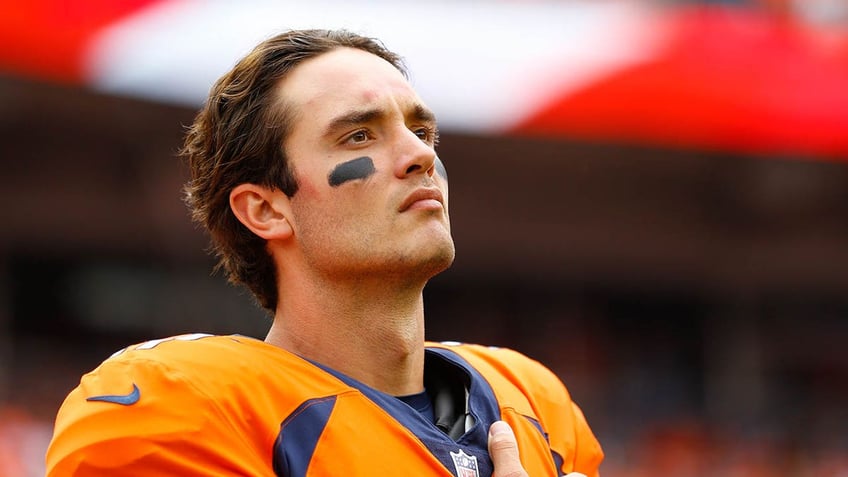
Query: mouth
423	199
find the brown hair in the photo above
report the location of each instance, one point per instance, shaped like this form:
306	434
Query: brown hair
237	137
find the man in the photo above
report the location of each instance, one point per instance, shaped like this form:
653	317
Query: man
314	169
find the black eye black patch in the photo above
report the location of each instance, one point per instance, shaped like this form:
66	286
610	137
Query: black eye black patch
359	168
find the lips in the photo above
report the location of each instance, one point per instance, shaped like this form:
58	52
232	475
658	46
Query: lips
423	197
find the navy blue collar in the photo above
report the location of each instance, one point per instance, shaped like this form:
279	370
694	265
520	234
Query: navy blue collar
482	405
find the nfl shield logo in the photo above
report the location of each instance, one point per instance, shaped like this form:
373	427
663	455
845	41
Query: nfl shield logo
466	465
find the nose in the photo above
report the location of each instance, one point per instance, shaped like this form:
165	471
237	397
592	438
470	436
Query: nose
414	156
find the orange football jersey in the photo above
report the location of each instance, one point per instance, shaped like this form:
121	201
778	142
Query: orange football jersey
206	405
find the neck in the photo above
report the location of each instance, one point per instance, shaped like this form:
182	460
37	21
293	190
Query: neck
373	332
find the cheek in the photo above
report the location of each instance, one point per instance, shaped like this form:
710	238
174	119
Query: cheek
310	202
330	207
310	199
357	198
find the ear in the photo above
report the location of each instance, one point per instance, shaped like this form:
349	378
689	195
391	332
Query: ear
262	210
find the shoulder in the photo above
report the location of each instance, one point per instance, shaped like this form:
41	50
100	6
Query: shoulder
193	394
187	349
524	372
203	358
160	376
210	370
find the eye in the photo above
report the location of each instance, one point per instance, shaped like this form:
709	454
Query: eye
428	134
358	137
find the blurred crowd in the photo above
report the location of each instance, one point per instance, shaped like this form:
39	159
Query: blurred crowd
23	441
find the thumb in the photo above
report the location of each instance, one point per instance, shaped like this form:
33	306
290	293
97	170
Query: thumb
503	448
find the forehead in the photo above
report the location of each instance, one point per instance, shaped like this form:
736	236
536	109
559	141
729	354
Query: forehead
341	80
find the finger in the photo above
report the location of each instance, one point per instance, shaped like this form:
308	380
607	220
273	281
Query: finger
503	449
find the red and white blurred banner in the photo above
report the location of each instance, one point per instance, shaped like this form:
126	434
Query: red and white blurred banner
615	71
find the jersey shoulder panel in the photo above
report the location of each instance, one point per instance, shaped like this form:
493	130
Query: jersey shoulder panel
217	398
216	365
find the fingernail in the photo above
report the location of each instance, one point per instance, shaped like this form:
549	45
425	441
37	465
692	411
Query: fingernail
500	427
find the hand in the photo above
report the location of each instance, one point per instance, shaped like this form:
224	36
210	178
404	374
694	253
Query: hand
503	448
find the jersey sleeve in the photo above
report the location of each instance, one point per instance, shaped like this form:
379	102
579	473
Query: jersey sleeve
588	454
568	431
171	427
569	435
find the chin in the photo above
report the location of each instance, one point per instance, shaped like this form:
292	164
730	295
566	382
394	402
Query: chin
440	261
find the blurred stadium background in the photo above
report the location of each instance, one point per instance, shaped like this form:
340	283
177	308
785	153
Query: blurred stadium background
651	197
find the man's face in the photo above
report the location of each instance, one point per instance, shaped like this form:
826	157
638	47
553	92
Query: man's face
372	196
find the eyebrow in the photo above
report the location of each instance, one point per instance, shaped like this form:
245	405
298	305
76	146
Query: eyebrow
358	117
421	113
